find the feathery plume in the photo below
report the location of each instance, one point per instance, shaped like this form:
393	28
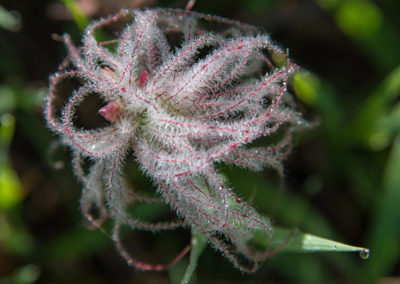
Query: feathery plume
180	109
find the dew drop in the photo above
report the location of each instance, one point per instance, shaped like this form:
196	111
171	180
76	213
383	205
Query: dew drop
364	254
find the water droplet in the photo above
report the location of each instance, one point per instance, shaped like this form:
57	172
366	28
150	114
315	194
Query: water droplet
364	254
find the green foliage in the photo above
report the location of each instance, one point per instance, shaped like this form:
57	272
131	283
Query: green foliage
342	183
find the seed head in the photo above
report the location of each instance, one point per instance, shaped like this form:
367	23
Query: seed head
180	109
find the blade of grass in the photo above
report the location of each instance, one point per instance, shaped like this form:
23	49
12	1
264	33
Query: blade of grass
296	241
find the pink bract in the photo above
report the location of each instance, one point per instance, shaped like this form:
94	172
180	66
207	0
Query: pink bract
111	112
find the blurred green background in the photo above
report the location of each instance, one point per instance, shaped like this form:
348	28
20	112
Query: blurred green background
342	180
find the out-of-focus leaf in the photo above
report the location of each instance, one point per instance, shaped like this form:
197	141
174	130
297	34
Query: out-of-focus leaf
78	16
364	22
11	191
385	229
366	128
307	87
9	21
359	19
8	99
